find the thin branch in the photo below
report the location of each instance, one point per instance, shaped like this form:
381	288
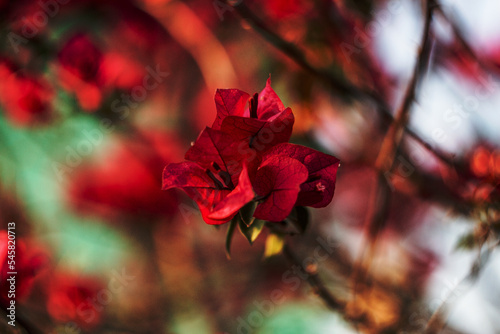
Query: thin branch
377	212
313	279
393	138
339	85
293	52
486	65
436	322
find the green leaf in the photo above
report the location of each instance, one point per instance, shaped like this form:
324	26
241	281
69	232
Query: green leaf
229	236
251	232
246	213
274	244
298	219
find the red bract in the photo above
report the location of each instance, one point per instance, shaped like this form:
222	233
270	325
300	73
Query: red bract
261	135
216	147
216	176
219	200
278	181
229	102
317	191
265	123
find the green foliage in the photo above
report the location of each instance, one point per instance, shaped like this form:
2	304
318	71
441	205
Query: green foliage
229	235
299	219
252	231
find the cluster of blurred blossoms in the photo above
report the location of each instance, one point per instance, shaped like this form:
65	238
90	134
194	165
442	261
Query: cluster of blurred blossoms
245	159
50	58
68	297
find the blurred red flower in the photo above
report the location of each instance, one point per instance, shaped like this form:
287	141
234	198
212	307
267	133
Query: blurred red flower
125	182
26	99
90	73
265	123
76	299
82	58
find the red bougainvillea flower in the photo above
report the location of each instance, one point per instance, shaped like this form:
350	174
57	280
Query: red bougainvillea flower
27	265
317	191
216	178
265	123
26	99
245	157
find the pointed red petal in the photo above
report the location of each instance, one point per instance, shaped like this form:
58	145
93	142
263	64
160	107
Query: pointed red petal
217	206
193	179
261	134
318	192
269	103
278	179
185	174
221	148
241	195
229	102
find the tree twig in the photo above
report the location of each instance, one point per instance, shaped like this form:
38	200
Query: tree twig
313	279
339	85
378	210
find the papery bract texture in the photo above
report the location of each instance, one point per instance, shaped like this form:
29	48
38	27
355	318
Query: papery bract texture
278	181
317	191
229	102
218	203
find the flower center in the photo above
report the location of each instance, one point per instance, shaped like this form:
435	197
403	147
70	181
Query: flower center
221	178
320	187
254	102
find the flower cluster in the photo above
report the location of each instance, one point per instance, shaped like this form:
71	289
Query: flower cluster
245	156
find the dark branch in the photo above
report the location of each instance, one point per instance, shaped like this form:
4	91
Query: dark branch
340	85
378	210
437	320
313	279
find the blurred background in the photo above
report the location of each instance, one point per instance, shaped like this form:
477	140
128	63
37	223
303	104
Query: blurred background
96	97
